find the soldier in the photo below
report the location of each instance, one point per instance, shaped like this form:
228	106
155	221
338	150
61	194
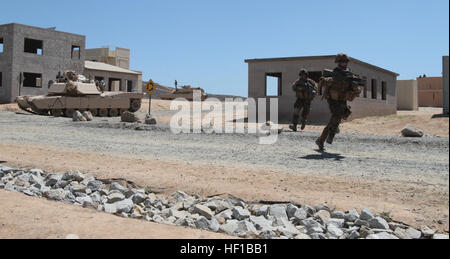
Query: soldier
305	89
338	90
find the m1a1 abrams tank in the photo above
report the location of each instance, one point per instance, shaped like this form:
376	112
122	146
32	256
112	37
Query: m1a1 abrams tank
72	92
186	92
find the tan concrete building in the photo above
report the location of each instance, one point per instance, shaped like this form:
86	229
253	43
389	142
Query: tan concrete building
273	77
430	91
120	57
115	78
445	83
407	95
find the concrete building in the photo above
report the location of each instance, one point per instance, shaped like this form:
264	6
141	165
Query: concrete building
119	57
407	95
445	83
31	56
116	78
273	77
430	91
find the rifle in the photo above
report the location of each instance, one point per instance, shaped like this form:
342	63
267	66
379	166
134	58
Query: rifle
355	80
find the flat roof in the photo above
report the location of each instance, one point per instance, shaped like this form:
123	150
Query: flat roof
107	67
317	58
53	29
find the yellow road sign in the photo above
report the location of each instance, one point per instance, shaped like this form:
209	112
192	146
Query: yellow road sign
150	87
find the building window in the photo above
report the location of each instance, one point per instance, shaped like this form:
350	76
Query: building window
129	86
114	85
1	45
273	84
34	46
373	89
365	87
76	52
383	91
1	79
32	80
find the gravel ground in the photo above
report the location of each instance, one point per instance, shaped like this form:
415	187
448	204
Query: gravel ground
422	161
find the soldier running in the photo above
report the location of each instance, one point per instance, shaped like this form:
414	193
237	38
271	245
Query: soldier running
340	88
305	89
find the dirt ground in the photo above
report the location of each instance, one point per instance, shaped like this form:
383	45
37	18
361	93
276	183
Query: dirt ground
30	217
413	204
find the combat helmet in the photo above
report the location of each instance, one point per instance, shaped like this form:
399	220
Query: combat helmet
341	57
303	71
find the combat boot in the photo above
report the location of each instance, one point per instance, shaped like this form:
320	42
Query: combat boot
330	138
303	125
320	145
293	127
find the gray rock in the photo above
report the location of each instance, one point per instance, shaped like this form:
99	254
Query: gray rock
82	200
267	235
246	229
36	172
178	196
203	211
334	231
29	193
352	216
300	214
410	131
354	235
401	233
117	187
263	211
124	206
323	215
318	236
278	211
88	115
310	223
73	176
129	117
413	233
95	185
382	235
290	210
53	179
57	195
322	207
219	205
338	215
150	120
361	223
9	186
204	223
77	188
337	222
230	227
240	213
158	219
378	222
314	230
226	214
96	197
427	232
61	184
302	236
131	192
261	223
310	210
77	116
366	214
287	228
138	198
365	232
440	236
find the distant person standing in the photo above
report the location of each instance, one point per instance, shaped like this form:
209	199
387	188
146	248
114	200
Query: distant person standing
305	89
176	85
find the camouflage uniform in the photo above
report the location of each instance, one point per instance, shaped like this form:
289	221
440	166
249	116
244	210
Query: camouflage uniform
338	90
305	90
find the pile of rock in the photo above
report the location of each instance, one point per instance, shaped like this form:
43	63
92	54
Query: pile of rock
227	215
85	116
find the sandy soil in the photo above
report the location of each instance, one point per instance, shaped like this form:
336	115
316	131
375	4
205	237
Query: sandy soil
412	204
29	217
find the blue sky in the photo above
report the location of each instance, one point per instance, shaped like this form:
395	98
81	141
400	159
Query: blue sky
204	42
